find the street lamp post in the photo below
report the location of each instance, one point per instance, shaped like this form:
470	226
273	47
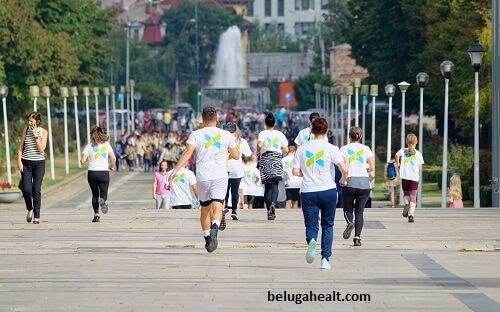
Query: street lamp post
357	85
349	90
122	91
96	97
86	94
336	119
65	95
403	86
374	94
113	97
4	91
476	52
35	93
390	90
197	60
340	91
127	91
422	80
106	94
74	93
325	90
364	93
132	98
46	94
447	68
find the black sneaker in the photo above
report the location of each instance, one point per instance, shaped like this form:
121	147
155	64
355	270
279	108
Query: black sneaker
104	205
222	226
348	230
357	241
405	210
234	216
96	218
207	243
212	245
411	219
272	212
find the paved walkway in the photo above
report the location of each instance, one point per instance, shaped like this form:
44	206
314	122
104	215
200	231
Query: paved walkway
141	259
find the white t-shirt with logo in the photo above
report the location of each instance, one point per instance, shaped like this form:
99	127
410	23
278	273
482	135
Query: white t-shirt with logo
180	188
355	156
295	181
316	160
410	165
211	144
236	165
258	187
306	136
273	141
248	184
98	156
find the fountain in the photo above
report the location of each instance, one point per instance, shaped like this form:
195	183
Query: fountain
229	89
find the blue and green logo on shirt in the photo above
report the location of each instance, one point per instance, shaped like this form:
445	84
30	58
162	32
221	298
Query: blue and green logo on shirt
317	158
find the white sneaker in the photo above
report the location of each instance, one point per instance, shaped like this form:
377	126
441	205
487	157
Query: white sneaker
311	251
325	264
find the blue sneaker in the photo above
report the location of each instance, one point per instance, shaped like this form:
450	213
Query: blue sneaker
311	251
325	264
212	245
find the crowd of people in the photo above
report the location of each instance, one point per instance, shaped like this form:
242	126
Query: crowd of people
264	168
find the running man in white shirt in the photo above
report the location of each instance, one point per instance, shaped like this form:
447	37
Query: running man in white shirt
211	145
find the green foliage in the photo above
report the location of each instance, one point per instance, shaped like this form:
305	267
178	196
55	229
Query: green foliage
460	157
396	39
191	95
484	169
273	96
153	95
271	39
304	90
50	43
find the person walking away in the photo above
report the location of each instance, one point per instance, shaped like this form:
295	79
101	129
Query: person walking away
391	174
148	158
248	182
117	149
211	145
355	194
183	181
236	172
293	188
99	153
409	161
160	193
314	161
271	144
305	134
31	164
454	193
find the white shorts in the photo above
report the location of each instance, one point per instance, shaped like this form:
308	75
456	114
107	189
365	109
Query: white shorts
212	190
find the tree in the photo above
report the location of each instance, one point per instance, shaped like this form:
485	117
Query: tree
270	38
305	92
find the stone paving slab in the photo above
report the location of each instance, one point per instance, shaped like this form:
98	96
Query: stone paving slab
142	259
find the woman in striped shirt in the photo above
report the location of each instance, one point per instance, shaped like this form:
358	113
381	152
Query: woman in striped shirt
31	164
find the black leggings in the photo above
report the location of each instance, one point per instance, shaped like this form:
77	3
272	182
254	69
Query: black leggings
32	176
271	193
355	199
99	184
233	184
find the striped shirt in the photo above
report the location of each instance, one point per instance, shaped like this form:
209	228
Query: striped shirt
30	150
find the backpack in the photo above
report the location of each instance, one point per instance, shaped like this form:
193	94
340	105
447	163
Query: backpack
391	171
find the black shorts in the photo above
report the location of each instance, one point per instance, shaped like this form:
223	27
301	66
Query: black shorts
293	194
